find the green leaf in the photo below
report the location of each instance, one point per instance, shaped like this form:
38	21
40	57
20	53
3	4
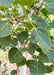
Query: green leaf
44	38
0	63
5	29
14	41
37	68
23	2
41	22
43	57
52	43
45	11
5	41
48	69
34	37
49	4
20	29
31	48
23	37
38	49
4	71
51	24
34	17
28	62
15	55
28	25
23	62
13	72
25	11
7	3
51	53
24	49
44	51
52	66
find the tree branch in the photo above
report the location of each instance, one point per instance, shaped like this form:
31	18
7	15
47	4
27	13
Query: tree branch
39	6
16	19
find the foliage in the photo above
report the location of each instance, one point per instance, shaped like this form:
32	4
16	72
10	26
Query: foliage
32	27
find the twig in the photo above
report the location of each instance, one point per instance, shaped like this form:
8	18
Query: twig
20	21
16	19
14	32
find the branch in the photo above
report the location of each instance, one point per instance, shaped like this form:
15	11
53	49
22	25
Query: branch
14	32
39	6
20	21
16	19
